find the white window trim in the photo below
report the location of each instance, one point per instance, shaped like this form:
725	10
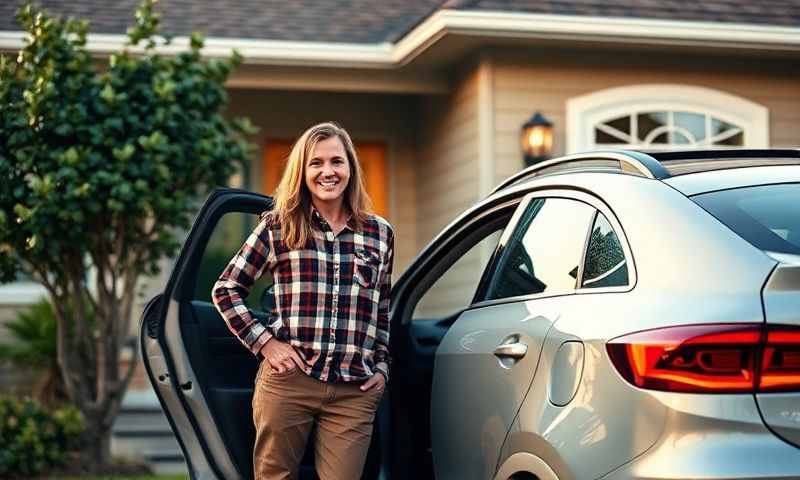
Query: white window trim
584	112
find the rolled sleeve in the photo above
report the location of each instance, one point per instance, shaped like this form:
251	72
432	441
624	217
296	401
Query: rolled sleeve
234	284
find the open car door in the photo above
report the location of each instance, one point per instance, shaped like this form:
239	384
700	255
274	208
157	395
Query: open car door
201	373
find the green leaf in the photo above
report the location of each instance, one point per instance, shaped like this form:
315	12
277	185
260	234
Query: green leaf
23	213
115	205
125	153
107	93
83	190
71	157
196	40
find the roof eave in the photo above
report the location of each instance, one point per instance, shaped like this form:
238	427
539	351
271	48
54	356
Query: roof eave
638	31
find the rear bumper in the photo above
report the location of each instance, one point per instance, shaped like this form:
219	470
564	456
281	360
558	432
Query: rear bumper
743	452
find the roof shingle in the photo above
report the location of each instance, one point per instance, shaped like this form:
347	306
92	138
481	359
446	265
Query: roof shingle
764	12
353	21
378	21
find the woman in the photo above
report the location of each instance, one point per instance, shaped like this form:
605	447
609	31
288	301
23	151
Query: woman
325	351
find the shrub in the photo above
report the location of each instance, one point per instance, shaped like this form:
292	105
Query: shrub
33	439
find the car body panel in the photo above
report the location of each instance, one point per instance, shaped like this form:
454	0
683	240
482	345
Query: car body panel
475	394
781	411
729	441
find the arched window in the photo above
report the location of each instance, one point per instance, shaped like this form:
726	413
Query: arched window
655	117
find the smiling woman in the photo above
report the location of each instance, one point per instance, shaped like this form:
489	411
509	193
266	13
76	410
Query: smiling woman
325	350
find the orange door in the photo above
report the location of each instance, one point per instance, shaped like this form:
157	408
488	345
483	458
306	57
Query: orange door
372	157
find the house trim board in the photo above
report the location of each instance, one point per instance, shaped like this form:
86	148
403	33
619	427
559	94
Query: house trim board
496	24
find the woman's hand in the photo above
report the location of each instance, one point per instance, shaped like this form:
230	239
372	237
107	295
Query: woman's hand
281	356
376	381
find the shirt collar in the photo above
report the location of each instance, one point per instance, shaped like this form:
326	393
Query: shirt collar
322	222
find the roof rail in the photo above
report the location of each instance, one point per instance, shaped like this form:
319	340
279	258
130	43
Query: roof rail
696	161
724	154
629	161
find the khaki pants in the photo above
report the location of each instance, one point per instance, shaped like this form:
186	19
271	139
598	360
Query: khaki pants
286	405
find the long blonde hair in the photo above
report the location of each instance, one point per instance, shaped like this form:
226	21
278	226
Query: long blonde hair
292	197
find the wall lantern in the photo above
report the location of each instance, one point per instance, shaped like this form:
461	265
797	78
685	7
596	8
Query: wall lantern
537	139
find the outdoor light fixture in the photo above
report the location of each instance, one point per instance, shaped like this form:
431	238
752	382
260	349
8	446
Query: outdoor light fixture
537	139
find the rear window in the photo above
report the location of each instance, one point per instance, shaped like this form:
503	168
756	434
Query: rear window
768	216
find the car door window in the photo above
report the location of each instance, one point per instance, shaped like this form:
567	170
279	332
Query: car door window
454	290
605	259
544	252
226	239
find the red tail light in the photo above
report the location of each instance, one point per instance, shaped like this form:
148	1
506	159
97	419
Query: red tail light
780	364
723	358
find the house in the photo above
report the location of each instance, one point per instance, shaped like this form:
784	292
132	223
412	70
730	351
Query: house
435	92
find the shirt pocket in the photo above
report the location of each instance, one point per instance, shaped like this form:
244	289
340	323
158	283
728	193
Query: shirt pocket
365	268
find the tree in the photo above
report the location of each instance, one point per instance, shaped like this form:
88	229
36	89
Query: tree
100	169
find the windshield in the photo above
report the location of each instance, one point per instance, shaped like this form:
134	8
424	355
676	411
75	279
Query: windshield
768	216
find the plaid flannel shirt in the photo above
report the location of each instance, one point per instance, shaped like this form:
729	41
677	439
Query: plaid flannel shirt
332	297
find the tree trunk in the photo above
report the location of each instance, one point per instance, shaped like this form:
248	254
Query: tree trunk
49	390
96	444
89	364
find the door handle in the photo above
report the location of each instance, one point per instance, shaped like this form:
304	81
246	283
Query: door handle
511	350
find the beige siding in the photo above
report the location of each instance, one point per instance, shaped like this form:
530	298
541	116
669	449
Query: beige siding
367	117
447	162
526	81
447	183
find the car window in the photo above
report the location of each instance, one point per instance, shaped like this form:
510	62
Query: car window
605	259
454	290
767	216
544	251
227	238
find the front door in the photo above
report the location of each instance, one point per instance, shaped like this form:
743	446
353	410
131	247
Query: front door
202	375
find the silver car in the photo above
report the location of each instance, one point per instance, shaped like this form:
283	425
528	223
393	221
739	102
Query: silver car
608	315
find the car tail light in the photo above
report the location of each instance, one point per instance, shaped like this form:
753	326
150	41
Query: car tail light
722	358
780	364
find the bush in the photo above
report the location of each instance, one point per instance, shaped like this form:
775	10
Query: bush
33	439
